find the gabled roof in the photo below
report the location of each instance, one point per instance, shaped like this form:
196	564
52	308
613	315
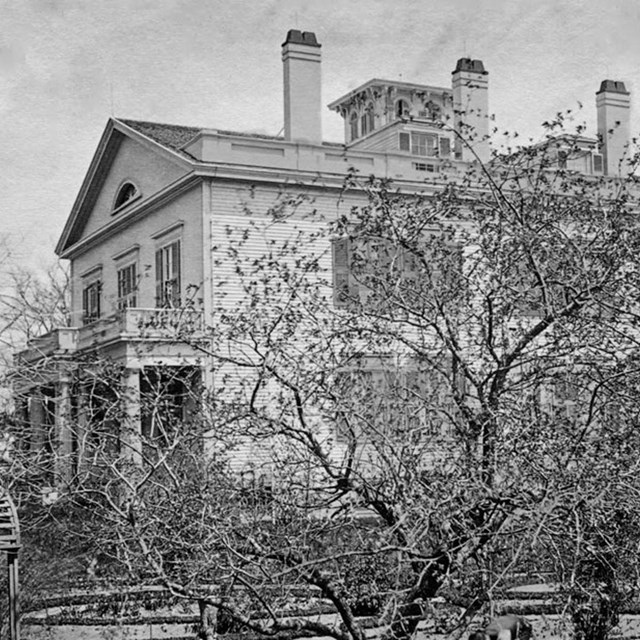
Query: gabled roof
171	136
165	140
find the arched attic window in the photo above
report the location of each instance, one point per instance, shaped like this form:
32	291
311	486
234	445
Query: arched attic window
126	194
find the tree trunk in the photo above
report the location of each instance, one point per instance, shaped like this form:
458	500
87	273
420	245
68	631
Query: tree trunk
208	620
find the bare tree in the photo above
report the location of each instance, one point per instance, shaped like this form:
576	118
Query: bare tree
429	396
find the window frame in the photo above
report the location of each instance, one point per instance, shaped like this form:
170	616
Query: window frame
424	144
127	286
168	272
401	109
119	203
354	126
92	299
390	385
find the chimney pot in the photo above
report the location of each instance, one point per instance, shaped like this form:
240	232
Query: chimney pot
295	36
467	64
612	86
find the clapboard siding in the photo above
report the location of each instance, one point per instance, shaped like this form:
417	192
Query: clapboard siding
250	227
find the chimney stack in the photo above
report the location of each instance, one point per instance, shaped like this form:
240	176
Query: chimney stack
613	104
302	87
470	84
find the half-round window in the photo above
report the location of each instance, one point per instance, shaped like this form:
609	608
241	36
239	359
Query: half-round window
127	193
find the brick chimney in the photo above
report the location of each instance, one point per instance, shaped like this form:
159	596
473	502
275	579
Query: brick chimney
470	84
302	87
613	104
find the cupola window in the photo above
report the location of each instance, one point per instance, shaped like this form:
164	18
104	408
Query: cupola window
402	109
127	193
367	121
353	126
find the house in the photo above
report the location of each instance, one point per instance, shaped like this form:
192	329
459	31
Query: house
158	199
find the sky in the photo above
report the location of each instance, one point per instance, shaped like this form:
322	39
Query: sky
67	66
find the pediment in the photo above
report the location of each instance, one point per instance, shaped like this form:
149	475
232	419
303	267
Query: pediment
127	169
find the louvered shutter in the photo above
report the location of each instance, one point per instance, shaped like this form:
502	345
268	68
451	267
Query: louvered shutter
445	147
345	286
597	163
160	298
340	272
405	142
175	274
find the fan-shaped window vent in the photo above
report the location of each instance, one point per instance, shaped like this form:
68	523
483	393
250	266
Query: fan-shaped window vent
126	194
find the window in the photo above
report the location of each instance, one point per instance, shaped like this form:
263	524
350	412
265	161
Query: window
168	275
433	110
126	194
380	274
445	147
402	109
353	126
367	120
597	163
381	399
168	399
423	166
345	286
423	144
127	287
364	124
91	301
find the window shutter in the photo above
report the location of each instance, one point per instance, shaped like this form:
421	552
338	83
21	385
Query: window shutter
345	287
405	142
175	273
431	145
340	272
98	311
445	147
597	163
159	292
85	303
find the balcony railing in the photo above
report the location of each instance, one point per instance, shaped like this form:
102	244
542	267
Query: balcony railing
59	342
167	325
144	324
163	323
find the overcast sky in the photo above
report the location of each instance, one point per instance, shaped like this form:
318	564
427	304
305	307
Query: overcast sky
66	66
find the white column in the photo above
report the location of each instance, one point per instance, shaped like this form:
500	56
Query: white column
37	421
131	436
63	454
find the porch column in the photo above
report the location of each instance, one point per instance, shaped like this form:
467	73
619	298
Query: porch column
82	429
37	422
14	594
63	455
131	444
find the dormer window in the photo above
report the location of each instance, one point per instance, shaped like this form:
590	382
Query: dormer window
128	193
402	109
